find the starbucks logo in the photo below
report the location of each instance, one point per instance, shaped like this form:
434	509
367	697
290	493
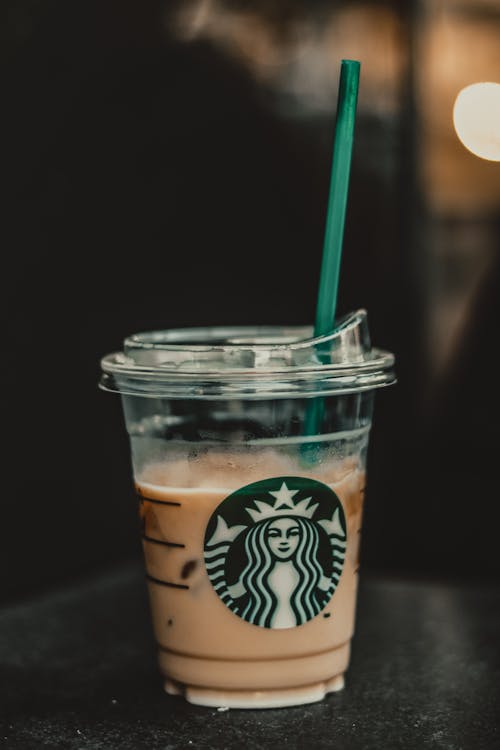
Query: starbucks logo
275	549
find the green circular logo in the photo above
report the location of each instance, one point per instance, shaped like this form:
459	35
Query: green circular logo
275	549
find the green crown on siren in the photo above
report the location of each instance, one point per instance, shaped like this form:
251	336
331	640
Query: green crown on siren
284	505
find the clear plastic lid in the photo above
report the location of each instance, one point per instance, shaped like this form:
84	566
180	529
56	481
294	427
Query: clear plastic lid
246	362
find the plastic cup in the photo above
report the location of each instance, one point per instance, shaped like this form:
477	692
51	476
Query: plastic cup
250	527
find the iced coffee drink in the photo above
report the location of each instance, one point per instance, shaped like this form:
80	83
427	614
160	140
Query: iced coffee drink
252	560
249	450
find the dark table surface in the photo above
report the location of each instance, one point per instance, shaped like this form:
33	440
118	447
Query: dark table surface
77	670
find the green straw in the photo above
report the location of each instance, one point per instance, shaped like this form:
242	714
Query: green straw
337	199
335	223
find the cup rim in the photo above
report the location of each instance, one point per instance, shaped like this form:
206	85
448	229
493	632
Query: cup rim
240	359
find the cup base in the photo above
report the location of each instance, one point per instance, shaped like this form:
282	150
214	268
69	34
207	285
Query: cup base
277	698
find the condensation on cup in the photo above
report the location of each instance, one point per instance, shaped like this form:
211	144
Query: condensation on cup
249	453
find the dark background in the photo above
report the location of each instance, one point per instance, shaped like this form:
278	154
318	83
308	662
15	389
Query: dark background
167	164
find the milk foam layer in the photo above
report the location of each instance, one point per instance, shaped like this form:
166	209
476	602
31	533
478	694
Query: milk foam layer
229	470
